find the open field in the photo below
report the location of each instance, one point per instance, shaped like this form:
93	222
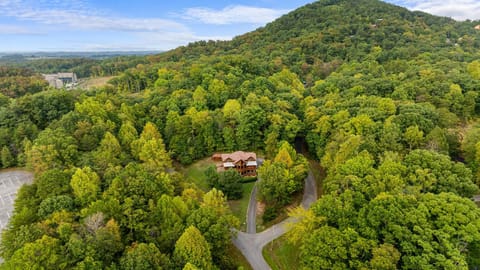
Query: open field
195	173
281	255
89	83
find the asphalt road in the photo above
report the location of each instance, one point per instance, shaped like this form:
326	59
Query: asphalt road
310	191
251	244
252	212
252	205
476	198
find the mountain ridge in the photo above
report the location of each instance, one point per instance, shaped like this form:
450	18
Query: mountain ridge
340	30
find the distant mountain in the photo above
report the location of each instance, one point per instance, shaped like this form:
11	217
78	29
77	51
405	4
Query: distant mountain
26	56
85	64
342	30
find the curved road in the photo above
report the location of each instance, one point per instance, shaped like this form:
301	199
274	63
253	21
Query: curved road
251	244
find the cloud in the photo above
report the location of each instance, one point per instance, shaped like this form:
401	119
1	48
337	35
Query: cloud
83	27
233	14
76	14
6	29
457	9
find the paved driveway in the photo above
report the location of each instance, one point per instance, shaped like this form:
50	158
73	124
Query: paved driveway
251	244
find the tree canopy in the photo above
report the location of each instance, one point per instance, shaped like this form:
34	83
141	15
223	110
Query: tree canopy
385	98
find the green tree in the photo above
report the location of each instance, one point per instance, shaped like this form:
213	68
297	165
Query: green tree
108	152
172	212
276	184
54	204
7	157
85	184
52	183
271	144
413	136
436	140
143	257
44	253
229	139
200	98
150	149
192	248
385	257
16	237
229	182
215	199
350	249
231	111
106	243
436	173
474	69
127	134
52	149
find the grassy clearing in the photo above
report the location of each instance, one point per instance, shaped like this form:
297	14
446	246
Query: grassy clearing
238	257
239	207
282	255
89	83
282	214
196	173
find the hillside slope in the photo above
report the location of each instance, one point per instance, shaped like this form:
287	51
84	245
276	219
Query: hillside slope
329	31
380	94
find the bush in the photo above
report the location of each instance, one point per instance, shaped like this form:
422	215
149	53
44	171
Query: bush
229	182
270	214
249	179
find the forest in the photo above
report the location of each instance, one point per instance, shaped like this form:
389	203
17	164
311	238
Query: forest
387	100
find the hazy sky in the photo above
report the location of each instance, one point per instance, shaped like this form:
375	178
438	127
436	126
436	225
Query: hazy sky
89	25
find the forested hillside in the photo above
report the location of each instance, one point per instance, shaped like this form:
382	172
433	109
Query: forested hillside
83	66
386	99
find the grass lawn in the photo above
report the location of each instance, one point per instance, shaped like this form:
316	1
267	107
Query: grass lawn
195	173
282	214
281	255
239	207
89	83
238	257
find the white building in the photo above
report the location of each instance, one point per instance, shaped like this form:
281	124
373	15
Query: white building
61	80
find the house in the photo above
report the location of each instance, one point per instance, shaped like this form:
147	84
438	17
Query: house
477	27
243	162
61	80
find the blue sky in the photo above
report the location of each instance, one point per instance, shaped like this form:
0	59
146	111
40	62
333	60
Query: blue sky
92	25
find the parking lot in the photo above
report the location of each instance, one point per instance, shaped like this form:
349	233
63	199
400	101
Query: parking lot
10	182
